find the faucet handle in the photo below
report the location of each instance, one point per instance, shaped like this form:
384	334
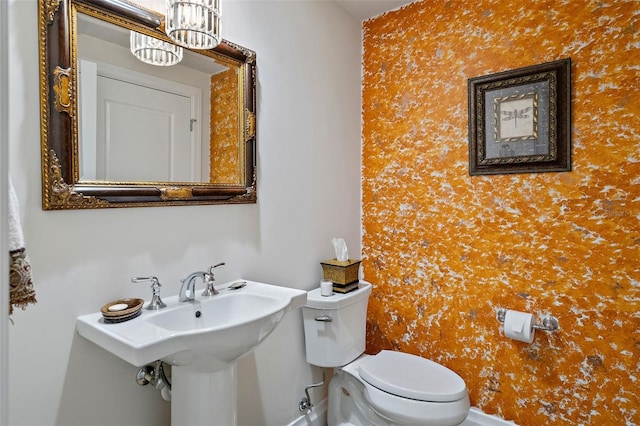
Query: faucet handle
155	303
209	289
144	280
211	268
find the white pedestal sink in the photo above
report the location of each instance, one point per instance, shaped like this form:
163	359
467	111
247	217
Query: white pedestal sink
201	340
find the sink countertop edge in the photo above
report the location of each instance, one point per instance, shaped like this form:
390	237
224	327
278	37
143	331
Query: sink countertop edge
123	345
298	301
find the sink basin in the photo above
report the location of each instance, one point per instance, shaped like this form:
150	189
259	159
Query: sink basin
212	328
217	312
202	340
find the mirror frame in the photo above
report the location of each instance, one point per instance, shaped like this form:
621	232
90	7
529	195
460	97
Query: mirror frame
61	187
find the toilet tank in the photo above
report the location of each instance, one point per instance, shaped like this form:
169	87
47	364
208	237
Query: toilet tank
335	326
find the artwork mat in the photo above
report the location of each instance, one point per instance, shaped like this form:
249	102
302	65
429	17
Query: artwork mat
523	106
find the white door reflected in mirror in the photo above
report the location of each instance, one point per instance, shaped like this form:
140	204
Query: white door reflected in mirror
137	128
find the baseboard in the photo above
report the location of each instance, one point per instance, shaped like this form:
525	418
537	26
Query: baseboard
316	417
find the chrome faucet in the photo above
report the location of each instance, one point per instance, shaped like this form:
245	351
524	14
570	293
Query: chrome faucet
188	287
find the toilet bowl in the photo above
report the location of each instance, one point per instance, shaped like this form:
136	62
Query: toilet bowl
414	392
389	388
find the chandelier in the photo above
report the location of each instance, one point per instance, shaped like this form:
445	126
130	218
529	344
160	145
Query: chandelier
194	24
152	51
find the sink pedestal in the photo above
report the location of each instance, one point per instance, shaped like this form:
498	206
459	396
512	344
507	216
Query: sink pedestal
202	397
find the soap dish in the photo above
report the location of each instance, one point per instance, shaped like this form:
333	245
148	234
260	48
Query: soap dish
121	310
123	318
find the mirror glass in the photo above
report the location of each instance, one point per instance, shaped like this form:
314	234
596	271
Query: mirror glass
118	132
141	122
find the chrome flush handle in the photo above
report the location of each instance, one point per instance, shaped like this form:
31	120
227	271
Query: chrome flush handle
324	318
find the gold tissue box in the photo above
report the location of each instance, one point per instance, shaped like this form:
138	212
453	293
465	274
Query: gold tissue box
341	272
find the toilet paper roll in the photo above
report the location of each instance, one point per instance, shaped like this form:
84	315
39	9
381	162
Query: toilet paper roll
519	326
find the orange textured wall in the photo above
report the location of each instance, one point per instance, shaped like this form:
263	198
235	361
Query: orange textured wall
445	250
224	153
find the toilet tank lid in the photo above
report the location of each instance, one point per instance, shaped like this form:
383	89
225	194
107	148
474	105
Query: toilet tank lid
411	376
338	300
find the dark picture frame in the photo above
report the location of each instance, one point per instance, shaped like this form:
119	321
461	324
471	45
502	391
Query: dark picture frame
520	120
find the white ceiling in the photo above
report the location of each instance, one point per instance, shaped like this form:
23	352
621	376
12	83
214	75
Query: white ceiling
365	9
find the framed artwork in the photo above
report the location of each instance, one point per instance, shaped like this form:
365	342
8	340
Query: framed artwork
520	120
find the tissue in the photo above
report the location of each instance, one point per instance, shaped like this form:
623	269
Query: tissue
341	271
342	254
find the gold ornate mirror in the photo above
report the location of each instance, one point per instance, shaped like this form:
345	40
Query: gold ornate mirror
117	132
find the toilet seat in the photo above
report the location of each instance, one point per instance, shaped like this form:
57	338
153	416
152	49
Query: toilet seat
413	377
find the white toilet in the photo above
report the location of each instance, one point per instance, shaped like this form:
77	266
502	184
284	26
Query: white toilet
390	388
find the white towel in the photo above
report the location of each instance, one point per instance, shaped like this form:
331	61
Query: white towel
22	292
16	237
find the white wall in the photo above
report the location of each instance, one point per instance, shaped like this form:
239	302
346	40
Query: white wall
309	191
4	211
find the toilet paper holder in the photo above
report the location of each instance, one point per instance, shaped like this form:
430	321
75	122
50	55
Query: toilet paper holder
548	323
